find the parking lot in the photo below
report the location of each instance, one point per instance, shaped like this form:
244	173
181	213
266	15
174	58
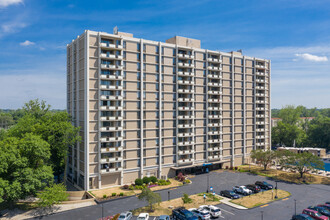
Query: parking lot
305	195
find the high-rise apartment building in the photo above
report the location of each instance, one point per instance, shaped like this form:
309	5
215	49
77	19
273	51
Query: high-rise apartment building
153	108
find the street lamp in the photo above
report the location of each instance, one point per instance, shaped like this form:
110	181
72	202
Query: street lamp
168	195
207	190
102	211
262	215
276	190
295	207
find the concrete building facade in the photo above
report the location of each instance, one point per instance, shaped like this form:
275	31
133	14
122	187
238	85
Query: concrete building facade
149	108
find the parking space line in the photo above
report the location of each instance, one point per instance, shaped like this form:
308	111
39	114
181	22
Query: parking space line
226	211
263	206
221	216
285	199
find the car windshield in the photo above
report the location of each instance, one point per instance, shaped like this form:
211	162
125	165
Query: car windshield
140	218
122	216
216	210
317	214
243	187
189	215
232	193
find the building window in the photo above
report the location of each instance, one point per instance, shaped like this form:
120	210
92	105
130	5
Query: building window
138	46
124	54
144	58
124	44
157	68
157	49
144	67
138	57
138	66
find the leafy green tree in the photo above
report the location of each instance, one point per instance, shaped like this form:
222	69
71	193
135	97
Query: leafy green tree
265	158
52	195
23	167
150	197
301	162
36	108
286	134
290	115
319	133
186	198
6	120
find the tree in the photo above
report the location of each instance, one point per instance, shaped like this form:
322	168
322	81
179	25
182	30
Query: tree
52	195
301	162
290	115
54	127
186	198
6	120
286	134
263	157
150	197
319	133
23	167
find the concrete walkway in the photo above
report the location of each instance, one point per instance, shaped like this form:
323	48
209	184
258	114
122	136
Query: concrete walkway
226	201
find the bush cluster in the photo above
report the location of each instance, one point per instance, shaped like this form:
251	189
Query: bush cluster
113	194
138	182
180	177
164	182
186	198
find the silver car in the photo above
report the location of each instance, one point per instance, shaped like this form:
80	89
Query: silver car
125	216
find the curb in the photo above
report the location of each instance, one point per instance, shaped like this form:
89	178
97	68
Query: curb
270	202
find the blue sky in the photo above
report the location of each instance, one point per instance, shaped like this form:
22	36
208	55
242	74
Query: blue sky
294	34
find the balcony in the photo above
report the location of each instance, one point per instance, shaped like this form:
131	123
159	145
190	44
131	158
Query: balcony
212	92
182	161
215	116
111	128
260	116
185	143
111	77
111	46
111	118
111	67
185	56
111	160
214	84
111	170
261	87
185	134
185	117
214	68
214	157
260	73
214	124
260	144
214	132
214	60
183	73
185	125
110	97
185	99
111	139
185	82
261	80
111	56
214	100
260	94
182	152
214	149
114	108
111	149
211	141
185	90
260	66
214	108
184	108
261	109
260	136
260	122
260	101
110	87
260	129
186	65
214	76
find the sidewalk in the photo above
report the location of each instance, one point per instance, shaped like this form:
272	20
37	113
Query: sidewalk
19	214
225	201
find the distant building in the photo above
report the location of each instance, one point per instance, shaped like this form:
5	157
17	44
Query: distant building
320	152
276	120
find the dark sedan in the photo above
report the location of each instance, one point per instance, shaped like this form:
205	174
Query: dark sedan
229	194
254	188
264	185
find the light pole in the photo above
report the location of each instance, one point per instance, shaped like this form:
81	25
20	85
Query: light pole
102	211
295	207
207	190
276	190
168	195
262	215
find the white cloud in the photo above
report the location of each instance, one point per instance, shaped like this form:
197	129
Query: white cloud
310	57
5	3
12	27
27	43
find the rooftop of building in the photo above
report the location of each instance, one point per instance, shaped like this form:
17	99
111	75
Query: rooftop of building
300	148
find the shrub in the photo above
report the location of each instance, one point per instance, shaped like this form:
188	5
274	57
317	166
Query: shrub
104	196
131	187
187	181
226	167
121	194
140	187
186	198
125	187
153	179
161	182
138	182
236	168
116	217
113	194
146	180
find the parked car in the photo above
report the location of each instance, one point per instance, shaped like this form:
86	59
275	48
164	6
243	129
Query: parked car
321	210
125	216
201	213
301	217
326	206
164	217
264	185
183	214
254	188
327	203
214	211
315	214
242	190
229	194
143	216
